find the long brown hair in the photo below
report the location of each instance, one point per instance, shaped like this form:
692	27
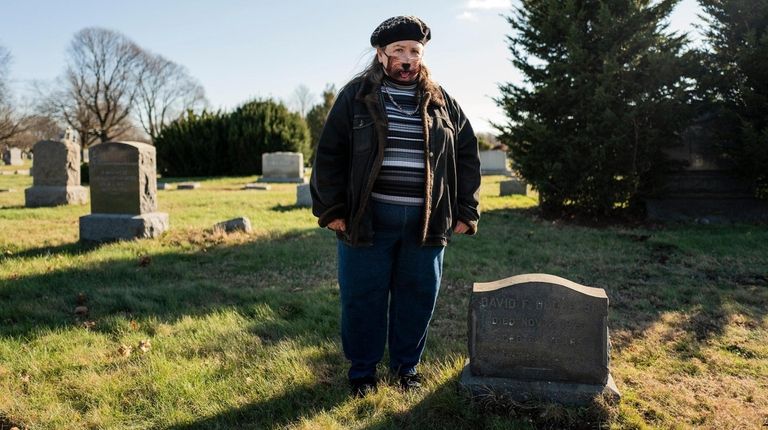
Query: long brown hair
373	74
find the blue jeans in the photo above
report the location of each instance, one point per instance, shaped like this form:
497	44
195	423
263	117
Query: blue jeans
395	278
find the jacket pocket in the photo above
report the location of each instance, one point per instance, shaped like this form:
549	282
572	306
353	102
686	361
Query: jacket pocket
362	133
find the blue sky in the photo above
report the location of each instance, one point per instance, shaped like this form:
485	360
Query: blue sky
244	49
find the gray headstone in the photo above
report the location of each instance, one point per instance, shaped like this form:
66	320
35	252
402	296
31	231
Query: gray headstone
12	157
123	183
539	337
123	178
494	162
512	187
56	175
303	196
282	167
237	224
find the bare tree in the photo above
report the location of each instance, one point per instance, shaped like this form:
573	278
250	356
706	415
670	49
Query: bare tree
5	61
99	85
36	128
11	121
164	92
302	100
55	101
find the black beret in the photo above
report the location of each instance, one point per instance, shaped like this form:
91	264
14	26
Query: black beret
400	28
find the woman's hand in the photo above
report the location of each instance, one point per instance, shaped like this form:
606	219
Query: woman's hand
337	225
460	228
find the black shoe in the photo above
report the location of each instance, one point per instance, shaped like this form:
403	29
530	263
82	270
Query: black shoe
362	386
410	382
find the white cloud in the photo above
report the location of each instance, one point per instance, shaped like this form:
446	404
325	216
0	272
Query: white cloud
467	16
489	4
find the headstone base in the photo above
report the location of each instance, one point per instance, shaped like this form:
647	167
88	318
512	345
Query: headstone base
563	393
114	227
46	196
284	180
255	186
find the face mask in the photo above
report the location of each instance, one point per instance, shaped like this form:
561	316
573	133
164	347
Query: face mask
402	68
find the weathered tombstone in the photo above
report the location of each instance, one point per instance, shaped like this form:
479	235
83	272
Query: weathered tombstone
56	175
282	167
236	224
512	186
494	162
123	194
303	196
539	337
12	157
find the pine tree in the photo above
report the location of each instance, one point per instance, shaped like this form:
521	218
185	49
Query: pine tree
735	84
605	93
317	115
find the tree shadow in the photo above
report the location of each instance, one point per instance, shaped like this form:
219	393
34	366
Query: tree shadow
287	208
644	272
68	249
279	411
647	270
166	286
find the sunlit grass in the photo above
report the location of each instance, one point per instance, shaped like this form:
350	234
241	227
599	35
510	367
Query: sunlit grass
244	328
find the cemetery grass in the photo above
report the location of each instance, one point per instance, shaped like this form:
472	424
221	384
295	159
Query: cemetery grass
243	329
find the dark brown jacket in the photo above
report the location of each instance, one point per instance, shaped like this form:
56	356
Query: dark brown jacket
351	150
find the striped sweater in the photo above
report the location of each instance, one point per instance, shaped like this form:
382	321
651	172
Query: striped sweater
401	179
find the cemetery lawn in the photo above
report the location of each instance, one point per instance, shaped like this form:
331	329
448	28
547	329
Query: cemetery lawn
243	329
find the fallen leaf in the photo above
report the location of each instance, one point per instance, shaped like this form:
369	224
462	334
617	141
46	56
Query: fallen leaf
145	260
134	325
145	345
81	310
125	350
89	324
25	378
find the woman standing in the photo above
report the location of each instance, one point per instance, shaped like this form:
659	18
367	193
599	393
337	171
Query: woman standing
396	172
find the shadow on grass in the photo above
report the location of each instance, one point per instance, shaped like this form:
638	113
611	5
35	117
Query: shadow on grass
646	270
287	208
643	276
279	411
166	286
67	249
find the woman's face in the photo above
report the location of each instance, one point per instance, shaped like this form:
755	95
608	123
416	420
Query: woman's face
401	60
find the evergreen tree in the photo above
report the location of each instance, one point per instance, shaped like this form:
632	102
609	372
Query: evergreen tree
735	84
605	93
317	115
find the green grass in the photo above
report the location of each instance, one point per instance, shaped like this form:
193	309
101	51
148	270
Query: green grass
244	328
